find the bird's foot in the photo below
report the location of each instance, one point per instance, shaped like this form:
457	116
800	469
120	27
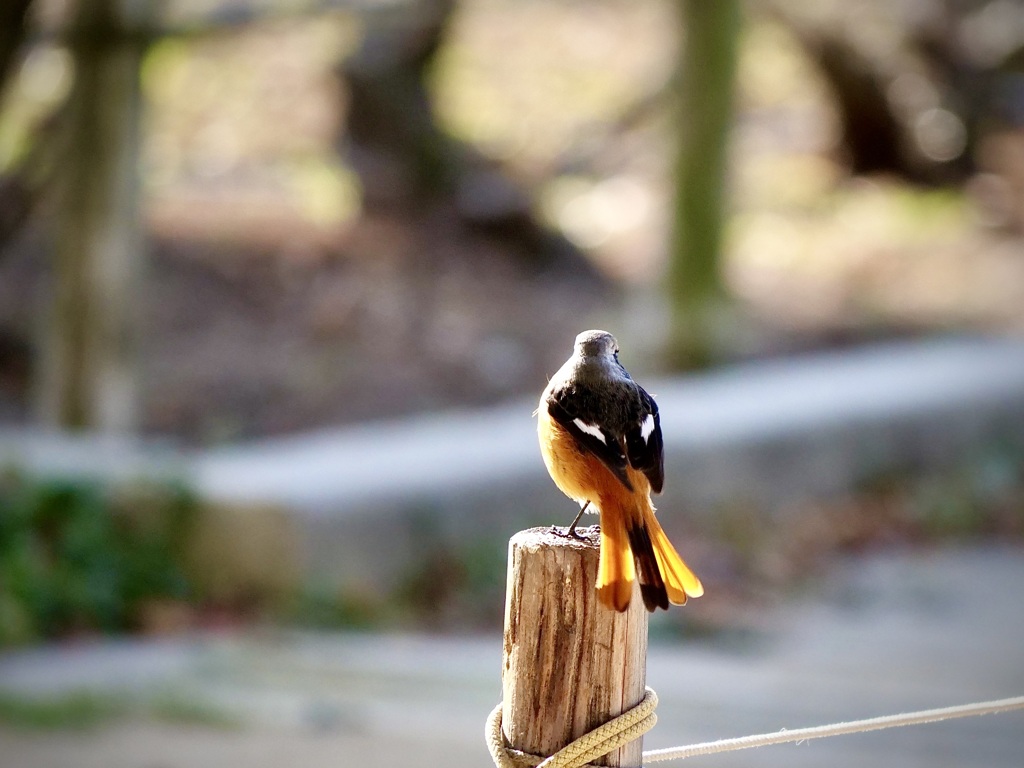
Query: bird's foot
568	533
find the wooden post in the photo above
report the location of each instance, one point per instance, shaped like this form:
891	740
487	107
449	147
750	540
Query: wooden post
570	664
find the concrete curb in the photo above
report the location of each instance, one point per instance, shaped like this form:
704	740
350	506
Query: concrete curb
362	499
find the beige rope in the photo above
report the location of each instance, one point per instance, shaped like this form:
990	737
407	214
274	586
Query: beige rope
637	721
630	725
837	729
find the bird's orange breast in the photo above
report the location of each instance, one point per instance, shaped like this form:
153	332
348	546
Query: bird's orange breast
579	474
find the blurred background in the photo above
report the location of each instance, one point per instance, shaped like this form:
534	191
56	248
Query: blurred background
280	281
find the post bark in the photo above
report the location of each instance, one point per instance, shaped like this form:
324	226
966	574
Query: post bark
570	664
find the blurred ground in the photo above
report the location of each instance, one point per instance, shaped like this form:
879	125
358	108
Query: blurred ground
893	632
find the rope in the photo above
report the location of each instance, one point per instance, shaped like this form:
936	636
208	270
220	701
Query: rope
637	721
838	729
630	725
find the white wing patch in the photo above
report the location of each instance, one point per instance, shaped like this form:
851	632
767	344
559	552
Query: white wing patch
647	427
590	429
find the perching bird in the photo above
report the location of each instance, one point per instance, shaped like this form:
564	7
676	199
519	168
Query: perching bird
600	435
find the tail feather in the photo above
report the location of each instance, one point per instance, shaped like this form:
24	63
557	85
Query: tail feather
615	568
652	586
633	544
680	581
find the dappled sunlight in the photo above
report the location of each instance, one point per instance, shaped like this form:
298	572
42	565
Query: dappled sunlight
533	82
43	82
248	117
591	213
883	255
248	175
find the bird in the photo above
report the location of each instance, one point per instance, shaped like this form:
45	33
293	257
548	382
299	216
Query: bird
601	441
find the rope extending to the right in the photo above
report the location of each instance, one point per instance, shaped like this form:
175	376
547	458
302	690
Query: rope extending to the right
837	729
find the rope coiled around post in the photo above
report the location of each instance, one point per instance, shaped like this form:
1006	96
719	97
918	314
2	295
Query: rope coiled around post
630	725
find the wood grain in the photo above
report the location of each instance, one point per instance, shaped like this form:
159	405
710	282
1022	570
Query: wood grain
570	664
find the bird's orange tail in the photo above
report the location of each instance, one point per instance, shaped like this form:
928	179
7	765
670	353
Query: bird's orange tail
615	568
633	542
680	581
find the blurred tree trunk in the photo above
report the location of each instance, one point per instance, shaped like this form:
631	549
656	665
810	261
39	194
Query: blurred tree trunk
708	67
407	162
394	142
14	197
887	96
87	376
13	14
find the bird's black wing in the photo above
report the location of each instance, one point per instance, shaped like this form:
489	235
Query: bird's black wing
645	447
580	413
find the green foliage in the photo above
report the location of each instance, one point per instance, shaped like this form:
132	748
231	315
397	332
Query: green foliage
323	607
980	496
75	556
452	584
89	709
173	707
76	710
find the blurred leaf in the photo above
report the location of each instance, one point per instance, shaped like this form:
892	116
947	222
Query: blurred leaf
75	556
76	710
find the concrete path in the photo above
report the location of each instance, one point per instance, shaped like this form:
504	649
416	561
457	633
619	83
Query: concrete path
358	500
827	401
852	399
888	633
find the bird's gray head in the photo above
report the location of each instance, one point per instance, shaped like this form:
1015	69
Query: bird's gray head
596	344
